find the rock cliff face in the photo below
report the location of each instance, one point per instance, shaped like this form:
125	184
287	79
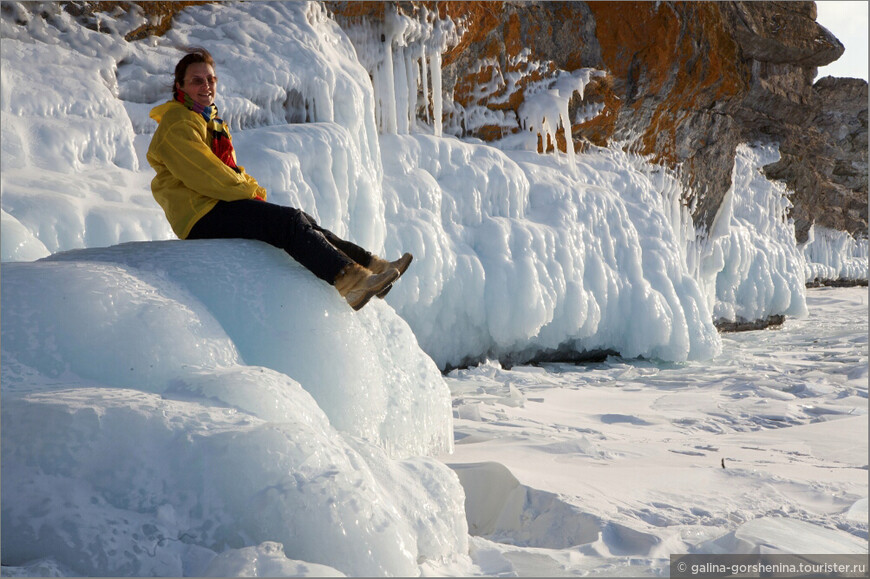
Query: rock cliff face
686	82
827	165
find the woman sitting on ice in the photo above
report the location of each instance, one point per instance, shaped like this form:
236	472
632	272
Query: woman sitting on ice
205	195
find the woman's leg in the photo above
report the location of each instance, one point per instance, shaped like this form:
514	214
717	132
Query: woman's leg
364	257
285	227
299	235
350	249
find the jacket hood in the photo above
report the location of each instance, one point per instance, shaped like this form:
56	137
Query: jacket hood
160	110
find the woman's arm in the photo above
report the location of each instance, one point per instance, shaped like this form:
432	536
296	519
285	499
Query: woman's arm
182	148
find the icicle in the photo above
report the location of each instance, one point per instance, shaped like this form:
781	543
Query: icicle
376	86
396	78
425	84
435	68
402	93
546	109
411	71
566	127
388	98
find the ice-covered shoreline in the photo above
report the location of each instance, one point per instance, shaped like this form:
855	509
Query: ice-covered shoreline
229	410
834	256
332	167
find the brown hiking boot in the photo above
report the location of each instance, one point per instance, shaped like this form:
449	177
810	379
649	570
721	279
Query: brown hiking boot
357	285
379	265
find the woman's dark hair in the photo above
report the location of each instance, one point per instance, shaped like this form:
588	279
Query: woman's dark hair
193	56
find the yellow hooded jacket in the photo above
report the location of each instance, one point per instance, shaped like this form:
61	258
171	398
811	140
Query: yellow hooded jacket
191	179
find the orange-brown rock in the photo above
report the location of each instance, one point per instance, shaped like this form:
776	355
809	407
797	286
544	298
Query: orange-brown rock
687	82
158	14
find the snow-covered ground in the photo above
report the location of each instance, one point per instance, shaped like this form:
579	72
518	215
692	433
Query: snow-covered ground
626	457
190	408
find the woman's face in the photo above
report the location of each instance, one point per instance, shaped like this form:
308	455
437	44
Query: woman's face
200	83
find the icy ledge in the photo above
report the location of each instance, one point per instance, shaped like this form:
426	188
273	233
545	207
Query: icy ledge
182	408
835	258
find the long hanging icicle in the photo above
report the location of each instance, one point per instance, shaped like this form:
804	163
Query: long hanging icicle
424	82
402	92
403	57
389	122
435	68
412	55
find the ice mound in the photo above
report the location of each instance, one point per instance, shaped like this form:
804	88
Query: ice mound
833	255
211	305
520	253
71	172
166	402
750	256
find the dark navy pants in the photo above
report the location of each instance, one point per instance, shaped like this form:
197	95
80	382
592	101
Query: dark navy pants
318	249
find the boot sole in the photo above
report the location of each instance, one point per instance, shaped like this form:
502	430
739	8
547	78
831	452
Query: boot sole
401	269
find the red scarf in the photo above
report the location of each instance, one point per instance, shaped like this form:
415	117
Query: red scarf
221	143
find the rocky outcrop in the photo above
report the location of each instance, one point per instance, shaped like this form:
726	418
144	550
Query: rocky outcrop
781	46
829	169
157	15
742	325
687	82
